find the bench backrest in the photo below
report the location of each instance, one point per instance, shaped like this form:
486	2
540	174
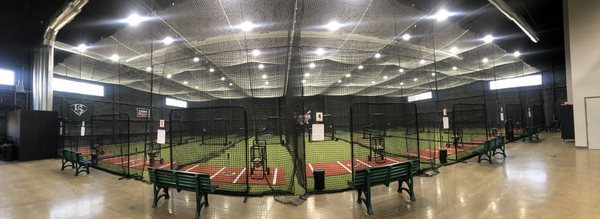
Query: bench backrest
180	180
382	175
70	155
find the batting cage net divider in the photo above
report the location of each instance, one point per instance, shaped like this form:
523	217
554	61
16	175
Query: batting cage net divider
469	129
222	152
382	134
110	146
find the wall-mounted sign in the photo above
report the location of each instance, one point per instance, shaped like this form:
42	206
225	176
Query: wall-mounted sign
162	123
319	116
161	136
78	108
318	132
142	113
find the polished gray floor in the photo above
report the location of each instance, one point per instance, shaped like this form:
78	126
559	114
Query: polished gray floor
538	180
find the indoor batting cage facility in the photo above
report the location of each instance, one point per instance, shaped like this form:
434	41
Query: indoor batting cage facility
292	98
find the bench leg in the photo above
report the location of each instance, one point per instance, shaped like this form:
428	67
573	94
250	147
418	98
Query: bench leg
200	203
359	196
157	197
166	191
206	199
368	201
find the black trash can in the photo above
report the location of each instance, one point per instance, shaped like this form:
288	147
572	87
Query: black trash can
443	156
8	152
319	176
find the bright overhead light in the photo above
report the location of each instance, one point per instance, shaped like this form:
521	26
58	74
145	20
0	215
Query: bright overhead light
230	84
422	61
454	68
185	82
196	59
114	58
81	48
485	60
401	83
454	50
516	54
333	26
433	74
168	40
222	78
372	82
340	81
134	19
415	79
303	81
320	51
442	15
169	76
266	82
196	87
261	66
148	69
488	38
401	70
348	75
246	26
255	52
211	70
385	77
312	65
306	75
406	37
377	55
264	76
360	67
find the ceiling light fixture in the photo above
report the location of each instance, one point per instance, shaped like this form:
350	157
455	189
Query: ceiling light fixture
222	78
485	60
312	65
360	67
266	82
261	66
516	54
348	75
168	40
185	82
433	74
169	76
406	37
454	68
148	69
196	59
306	75
415	79
211	70
114	58
255	52
246	26
333	26
385	77
264	76
401	70
134	19
320	51
488	38
303	81
377	55
81	48
454	50
401	83
339	81
442	15
422	61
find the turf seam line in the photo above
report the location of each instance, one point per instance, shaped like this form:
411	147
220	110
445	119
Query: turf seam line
275	176
350	171
366	164
213	176
191	168
239	175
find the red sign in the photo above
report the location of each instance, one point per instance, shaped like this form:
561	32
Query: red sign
142	113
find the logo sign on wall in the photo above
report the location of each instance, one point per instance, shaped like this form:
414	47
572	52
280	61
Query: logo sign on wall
319	117
79	109
142	113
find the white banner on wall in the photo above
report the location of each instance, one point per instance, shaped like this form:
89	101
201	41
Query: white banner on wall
446	122
161	136
318	132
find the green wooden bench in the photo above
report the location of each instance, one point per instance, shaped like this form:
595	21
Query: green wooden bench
500	147
76	161
531	134
487	151
364	179
179	180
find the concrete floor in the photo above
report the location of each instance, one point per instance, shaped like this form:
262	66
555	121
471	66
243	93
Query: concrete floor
538	180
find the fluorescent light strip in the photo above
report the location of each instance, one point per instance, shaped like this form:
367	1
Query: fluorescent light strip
421	96
77	87
7	77
525	81
175	102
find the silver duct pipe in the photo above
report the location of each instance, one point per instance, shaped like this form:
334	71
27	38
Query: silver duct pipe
513	16
43	64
